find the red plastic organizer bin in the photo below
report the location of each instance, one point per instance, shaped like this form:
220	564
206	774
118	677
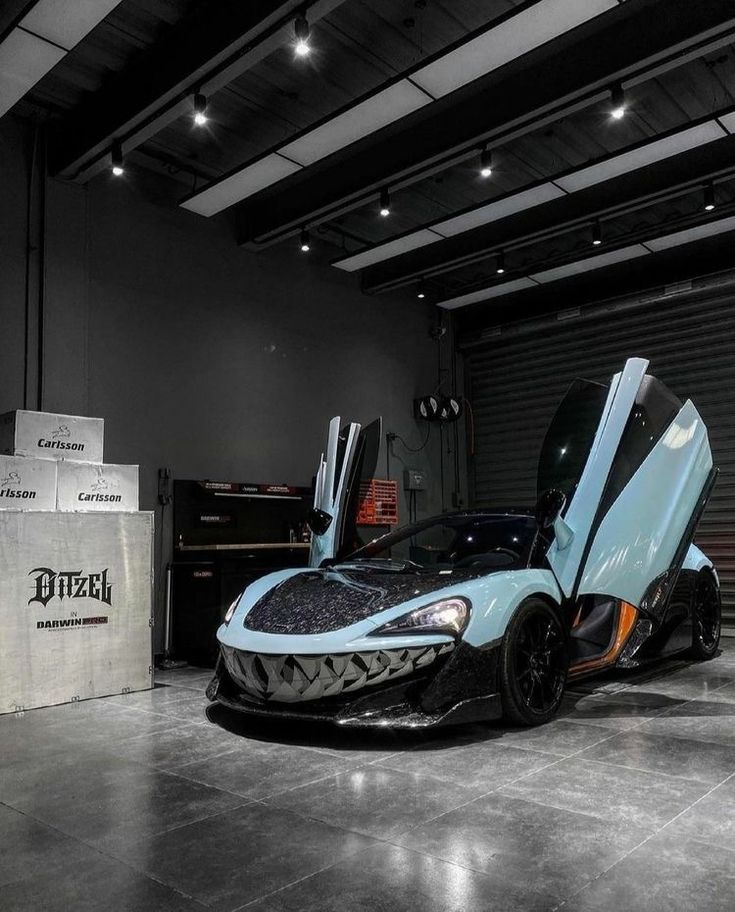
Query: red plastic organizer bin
378	503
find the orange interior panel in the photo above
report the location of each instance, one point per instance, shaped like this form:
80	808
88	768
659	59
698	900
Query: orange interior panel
627	616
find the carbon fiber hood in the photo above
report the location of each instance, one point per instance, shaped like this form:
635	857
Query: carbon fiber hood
319	601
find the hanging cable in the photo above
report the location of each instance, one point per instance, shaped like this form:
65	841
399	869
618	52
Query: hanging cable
413	449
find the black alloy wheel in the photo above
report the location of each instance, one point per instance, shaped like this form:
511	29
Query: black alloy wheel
534	664
706	617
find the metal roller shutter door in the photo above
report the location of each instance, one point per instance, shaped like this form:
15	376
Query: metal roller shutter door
517	378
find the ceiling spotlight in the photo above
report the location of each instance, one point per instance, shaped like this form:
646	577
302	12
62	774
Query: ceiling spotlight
116	159
305	245
384	202
486	163
421	290
500	263
301	30
618	101
596	233
200	109
709	196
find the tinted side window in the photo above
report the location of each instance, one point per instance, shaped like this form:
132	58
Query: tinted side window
654	409
570	436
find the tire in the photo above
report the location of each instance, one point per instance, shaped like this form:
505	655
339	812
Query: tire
706	618
534	663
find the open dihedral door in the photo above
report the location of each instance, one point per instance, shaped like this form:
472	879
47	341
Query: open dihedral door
351	457
634	465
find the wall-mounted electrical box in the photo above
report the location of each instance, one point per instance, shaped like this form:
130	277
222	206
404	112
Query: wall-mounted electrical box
414	480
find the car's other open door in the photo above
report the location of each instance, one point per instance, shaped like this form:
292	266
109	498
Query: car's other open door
351	456
634	489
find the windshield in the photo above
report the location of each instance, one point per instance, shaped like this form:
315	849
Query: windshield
472	541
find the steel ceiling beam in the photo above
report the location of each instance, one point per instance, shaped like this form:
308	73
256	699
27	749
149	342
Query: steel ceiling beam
630	44
664	271
205	52
654	183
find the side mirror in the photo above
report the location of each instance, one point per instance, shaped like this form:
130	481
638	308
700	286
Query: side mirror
549	506
318	521
548	515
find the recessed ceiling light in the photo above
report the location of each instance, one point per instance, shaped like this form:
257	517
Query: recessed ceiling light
116	159
200	109
305	241
384	202
301	31
596	233
619	106
500	263
709	196
486	163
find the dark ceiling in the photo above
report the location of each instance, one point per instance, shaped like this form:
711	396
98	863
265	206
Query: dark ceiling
544	114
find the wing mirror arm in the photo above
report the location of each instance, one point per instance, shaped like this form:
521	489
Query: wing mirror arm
548	515
563	533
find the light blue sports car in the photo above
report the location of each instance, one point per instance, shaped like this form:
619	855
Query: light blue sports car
481	614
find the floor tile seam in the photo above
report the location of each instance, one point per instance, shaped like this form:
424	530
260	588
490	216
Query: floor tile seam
574	753
683	701
208	756
136	768
479	797
95	848
332	754
571	756
457	864
498	789
304	815
244	802
163	731
299	880
704	739
640	769
152	712
650	836
710	844
491	742
337	755
261	798
686	701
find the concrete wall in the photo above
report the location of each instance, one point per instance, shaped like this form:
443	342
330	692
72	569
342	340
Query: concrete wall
210	360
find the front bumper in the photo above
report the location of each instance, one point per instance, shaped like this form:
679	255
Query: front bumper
458	685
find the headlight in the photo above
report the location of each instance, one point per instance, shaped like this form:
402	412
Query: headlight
231	610
450	615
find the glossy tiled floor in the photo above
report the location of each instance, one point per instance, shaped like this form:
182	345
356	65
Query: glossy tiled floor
141	803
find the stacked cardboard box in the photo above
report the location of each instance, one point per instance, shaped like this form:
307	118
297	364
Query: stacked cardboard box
76	568
54	462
